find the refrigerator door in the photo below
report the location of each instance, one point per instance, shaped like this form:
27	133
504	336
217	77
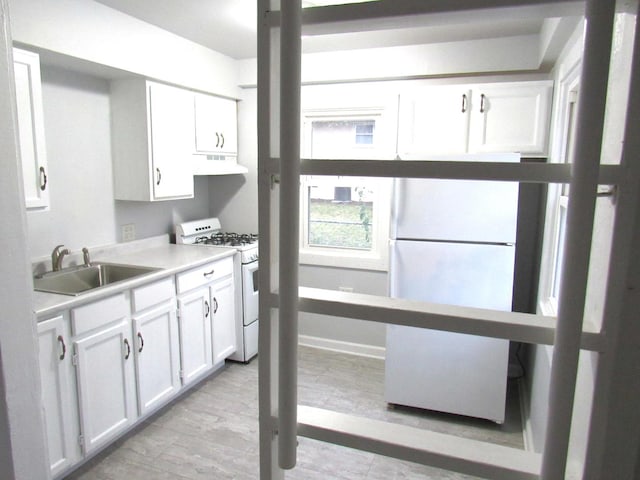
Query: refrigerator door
449	372
474	211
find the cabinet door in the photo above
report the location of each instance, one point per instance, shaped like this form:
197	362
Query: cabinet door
106	384
224	319
195	334
434	120
510	118
157	356
216	121
59	399
26	67
171	127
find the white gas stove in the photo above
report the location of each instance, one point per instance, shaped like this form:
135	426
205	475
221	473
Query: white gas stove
208	233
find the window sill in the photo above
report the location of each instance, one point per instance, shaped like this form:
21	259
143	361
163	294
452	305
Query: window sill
344	259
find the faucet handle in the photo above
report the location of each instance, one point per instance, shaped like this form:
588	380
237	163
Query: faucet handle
85	256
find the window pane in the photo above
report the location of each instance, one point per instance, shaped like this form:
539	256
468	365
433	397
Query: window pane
334	139
340	215
340	209
557	271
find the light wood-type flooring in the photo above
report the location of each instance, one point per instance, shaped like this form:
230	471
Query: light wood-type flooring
212	432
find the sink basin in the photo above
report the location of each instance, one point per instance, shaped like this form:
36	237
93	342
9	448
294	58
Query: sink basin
77	280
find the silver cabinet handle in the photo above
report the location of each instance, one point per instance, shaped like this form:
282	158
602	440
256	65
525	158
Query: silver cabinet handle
482	98
206	304
464	102
222	136
126	344
141	342
217	139
43	179
158	176
64	347
208	274
215	305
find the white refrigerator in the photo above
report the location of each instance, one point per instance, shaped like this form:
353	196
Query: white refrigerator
452	242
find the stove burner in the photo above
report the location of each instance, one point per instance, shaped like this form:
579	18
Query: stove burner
227	238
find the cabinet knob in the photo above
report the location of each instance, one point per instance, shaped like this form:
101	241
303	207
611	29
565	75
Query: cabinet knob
43	179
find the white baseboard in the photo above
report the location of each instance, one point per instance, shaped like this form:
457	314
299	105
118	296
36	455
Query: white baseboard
527	431
360	349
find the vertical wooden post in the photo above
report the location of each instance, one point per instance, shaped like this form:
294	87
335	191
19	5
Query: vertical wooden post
290	68
580	216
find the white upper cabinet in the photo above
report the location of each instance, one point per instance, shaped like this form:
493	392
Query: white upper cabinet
434	120
511	117
215	140
457	119
26	67
216	121
152	128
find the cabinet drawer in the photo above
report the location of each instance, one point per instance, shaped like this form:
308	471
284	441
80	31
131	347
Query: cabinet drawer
205	274
152	294
99	313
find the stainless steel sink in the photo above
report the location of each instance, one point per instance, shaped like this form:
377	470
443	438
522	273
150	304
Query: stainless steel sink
77	280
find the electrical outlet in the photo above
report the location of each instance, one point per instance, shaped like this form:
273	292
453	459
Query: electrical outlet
128	232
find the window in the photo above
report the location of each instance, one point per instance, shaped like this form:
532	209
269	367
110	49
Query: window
345	219
558	197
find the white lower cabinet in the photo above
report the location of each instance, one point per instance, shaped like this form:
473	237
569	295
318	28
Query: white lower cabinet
195	334
223	320
104	365
206	302
157	356
157	349
57	382
104	359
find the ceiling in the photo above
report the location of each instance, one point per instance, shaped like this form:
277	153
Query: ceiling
229	26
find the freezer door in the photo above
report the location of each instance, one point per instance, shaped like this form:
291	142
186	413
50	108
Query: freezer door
475	211
442	371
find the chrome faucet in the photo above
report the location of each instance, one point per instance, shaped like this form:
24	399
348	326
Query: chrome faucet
56	257
85	256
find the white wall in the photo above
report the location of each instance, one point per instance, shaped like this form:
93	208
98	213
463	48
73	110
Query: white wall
83	211
93	32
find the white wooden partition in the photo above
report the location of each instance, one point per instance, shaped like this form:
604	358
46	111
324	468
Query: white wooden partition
281	420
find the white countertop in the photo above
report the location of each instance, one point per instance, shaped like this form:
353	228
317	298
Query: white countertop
169	258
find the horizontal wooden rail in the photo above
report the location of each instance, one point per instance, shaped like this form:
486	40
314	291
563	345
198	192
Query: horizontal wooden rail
385	14
439	450
519	327
526	172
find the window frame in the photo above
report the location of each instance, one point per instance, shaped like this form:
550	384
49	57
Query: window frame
558	194
377	258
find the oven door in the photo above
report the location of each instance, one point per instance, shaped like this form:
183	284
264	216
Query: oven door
250	293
